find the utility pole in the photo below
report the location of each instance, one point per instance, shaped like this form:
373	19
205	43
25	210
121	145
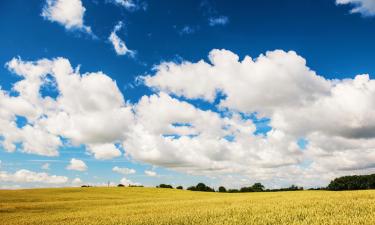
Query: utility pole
108	183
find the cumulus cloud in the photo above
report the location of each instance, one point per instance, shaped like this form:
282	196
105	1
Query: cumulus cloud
128	182
45	166
76	164
68	13
335	117
86	106
27	176
175	134
150	173
76	181
364	7
104	151
123	171
118	44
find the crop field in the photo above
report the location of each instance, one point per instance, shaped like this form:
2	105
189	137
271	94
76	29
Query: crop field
150	206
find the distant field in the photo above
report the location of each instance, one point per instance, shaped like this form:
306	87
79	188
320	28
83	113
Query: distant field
150	206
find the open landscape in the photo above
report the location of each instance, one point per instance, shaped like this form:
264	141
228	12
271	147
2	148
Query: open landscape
188	112
149	206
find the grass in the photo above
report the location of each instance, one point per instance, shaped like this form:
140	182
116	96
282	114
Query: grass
150	206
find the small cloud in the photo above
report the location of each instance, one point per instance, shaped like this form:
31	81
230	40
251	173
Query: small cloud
130	4
124	171
220	20
68	13
364	7
76	164
128	182
45	166
118	44
27	176
76	181
150	173
187	30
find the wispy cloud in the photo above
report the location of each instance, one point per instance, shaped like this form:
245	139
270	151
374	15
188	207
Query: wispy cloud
364	7
118	44
220	20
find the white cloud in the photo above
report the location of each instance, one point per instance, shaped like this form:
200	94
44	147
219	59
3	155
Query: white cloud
187	30
104	151
123	171
128	4
26	176
85	107
68	13
118	44
364	7
128	182
45	166
150	173
175	134
76	164
220	20
336	117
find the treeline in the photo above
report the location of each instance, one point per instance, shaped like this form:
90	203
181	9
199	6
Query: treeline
257	187
356	182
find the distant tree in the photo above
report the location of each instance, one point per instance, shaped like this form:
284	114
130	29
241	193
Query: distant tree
201	187
352	183
222	189
179	187
120	185
233	191
246	189
192	188
164	186
257	187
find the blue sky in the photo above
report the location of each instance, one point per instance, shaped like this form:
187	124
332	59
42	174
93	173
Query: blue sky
335	41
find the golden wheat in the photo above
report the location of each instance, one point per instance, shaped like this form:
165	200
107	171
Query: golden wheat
149	206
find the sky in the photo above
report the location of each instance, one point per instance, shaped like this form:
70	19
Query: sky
145	92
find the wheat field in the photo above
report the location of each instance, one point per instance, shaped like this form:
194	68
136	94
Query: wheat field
150	206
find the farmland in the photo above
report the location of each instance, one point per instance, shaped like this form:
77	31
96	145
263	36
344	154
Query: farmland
150	206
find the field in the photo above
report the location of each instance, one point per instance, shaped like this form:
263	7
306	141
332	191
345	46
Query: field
150	206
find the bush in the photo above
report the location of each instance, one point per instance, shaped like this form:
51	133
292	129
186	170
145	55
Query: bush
164	186
179	187
222	189
120	185
233	191
201	187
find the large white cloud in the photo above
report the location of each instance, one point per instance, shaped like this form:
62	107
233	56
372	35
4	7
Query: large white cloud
68	13
175	134
365	7
27	176
335	117
89	110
